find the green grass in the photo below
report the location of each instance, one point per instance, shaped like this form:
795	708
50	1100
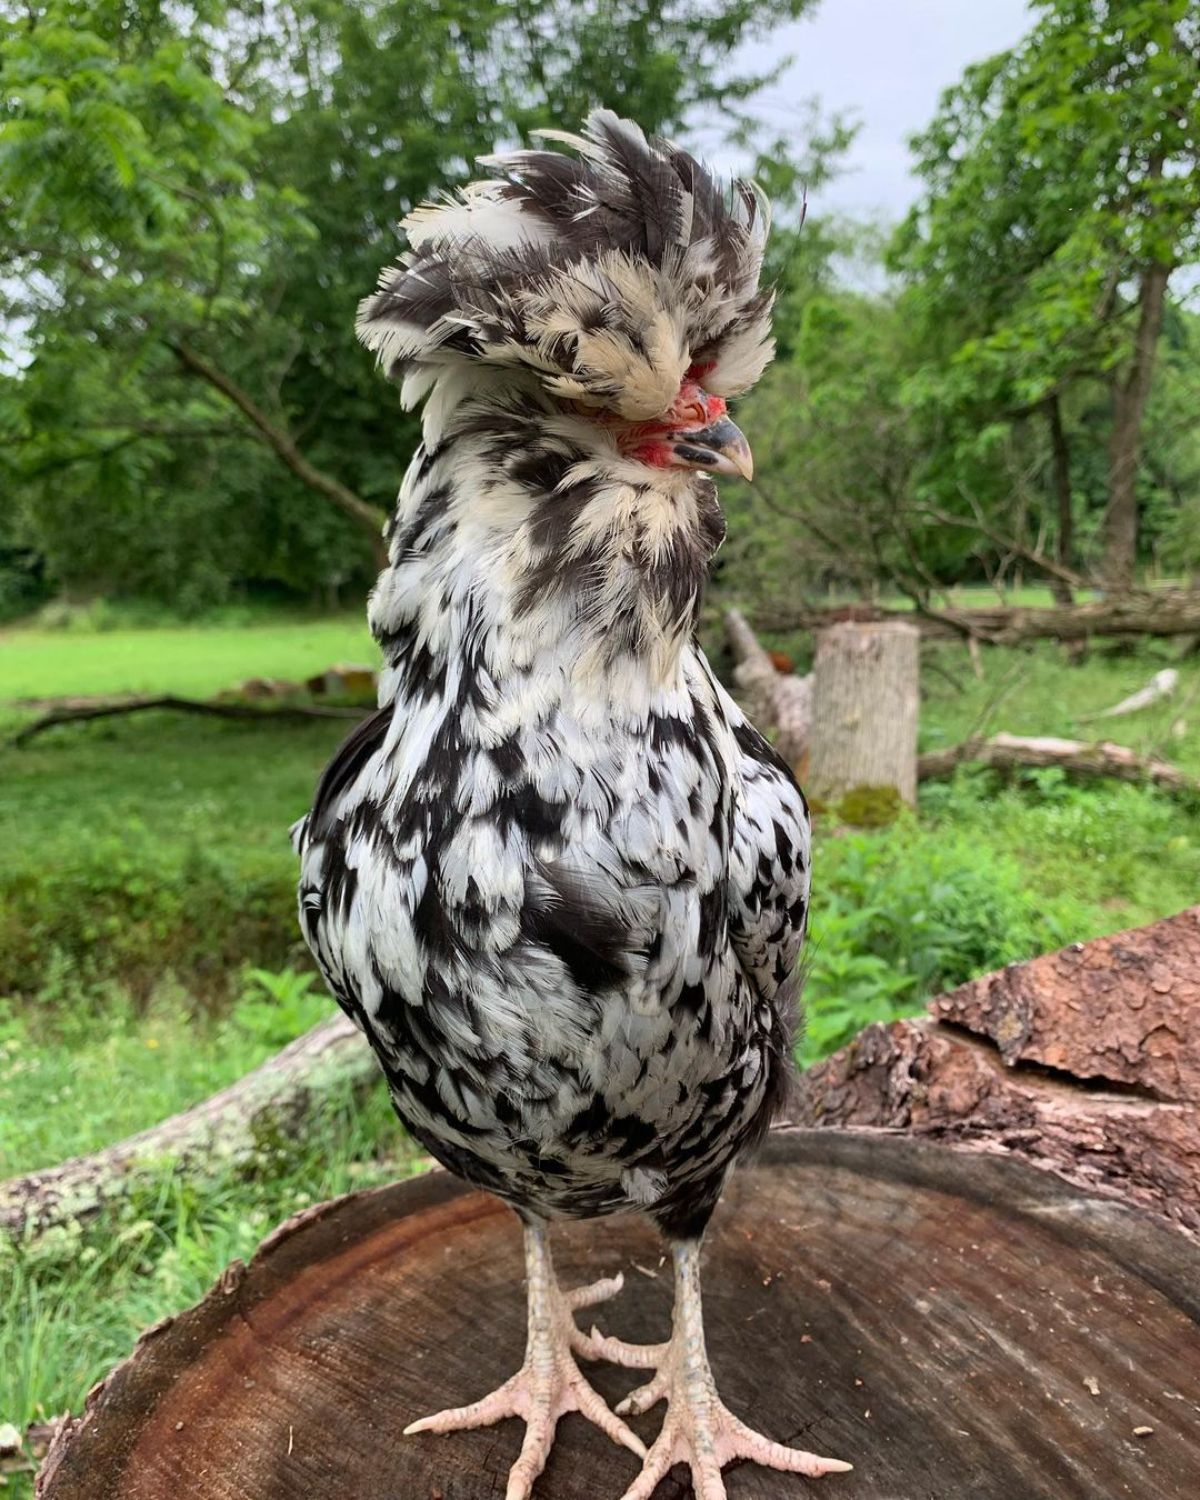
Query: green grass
150	847
988	875
71	1310
192	661
156	845
73	1304
998	869
58	1062
1036	692
147	864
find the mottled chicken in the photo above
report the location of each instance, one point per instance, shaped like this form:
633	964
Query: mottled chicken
557	879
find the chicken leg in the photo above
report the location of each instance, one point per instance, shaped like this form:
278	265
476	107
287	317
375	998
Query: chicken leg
548	1384
699	1429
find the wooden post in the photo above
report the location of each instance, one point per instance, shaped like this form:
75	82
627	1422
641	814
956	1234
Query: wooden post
865	701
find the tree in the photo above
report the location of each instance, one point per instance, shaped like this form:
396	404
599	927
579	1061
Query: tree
836	453
1062	193
193	198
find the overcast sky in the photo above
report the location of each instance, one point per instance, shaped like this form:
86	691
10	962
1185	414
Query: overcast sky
886	63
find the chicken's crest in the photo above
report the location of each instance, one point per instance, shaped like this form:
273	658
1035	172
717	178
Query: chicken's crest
610	272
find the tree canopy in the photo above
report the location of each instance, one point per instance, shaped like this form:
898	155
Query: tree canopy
194	198
1061	195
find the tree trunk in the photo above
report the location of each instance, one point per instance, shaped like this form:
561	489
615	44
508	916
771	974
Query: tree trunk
236	1126
1129	406
865	702
1064	545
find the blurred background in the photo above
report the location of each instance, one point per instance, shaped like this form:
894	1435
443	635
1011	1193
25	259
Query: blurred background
983	416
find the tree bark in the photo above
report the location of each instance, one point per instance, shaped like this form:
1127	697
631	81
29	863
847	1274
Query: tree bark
1084	1062
1129	406
366	516
1060	456
865	702
1011	752
236	1126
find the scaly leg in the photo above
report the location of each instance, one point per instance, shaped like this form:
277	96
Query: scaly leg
548	1384
698	1430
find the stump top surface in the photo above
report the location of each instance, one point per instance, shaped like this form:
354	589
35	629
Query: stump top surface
958	1326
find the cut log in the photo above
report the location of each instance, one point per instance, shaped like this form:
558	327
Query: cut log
865	703
957	1325
778	702
1085	1062
223	1131
985	1284
1011	752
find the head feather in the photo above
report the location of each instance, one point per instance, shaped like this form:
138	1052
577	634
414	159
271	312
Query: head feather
608	272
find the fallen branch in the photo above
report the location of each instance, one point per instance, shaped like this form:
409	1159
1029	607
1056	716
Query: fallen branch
1160	686
1166	612
230	1129
1011	752
108	710
777	700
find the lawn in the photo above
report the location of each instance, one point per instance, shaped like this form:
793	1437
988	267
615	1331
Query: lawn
188	660
148	870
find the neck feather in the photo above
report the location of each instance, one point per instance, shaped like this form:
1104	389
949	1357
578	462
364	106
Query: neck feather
524	540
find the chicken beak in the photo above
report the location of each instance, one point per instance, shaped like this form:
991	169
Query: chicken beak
720	449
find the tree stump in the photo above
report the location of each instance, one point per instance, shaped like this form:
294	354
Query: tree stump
957	1325
984	1285
865	703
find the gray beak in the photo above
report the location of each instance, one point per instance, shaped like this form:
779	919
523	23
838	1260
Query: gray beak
721	449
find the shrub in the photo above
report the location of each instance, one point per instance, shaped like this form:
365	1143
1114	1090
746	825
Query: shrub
904	913
125	906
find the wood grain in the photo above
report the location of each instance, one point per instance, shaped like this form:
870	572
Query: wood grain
962	1327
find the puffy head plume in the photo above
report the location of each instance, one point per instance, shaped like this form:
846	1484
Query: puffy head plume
612	273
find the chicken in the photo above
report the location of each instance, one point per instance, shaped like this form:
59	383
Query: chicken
557	879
